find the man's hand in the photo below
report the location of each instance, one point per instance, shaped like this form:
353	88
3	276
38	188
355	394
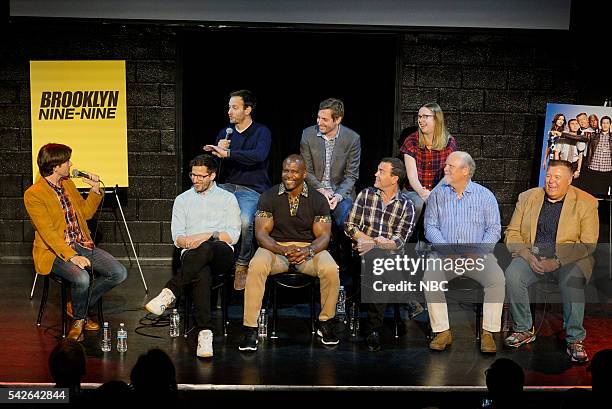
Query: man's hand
424	193
224	143
335	199
191	242
383	242
298	256
217	151
531	260
328	193
93	181
364	245
545	265
80	261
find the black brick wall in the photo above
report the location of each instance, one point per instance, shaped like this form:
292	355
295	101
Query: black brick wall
493	89
150	54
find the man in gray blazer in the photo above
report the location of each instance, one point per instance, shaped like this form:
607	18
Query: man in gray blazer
332	154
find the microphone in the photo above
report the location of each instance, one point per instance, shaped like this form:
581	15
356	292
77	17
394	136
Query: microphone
228	133
79	174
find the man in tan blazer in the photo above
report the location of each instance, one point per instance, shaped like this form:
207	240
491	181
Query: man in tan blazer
62	241
553	231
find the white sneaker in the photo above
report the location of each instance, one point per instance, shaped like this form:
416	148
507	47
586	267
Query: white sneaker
159	304
205	348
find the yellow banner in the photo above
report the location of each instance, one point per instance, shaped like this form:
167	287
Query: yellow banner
82	104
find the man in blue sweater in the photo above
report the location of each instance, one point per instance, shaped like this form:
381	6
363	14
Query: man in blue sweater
244	147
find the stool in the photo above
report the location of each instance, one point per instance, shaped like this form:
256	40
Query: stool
292	279
463	283
547	286
223	283
64	285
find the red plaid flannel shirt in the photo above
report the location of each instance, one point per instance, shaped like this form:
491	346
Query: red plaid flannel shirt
74	235
430	164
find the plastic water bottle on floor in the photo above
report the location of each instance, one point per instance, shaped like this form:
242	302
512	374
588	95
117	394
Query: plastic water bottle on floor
262	324
175	322
106	338
122	338
341	305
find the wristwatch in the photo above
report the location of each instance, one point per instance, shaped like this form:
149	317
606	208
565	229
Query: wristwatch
215	236
311	252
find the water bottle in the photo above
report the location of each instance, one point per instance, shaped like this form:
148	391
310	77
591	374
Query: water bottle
340	306
175	321
106	337
122	338
262	324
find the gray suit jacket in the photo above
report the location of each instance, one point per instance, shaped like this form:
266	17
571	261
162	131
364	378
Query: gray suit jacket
346	157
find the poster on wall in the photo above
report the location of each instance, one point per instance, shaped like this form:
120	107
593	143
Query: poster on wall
580	134
82	104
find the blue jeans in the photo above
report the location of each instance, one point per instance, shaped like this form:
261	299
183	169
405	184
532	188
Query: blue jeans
247	200
418	204
519	276
341	212
109	273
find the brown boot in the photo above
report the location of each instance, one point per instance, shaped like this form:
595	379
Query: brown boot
240	277
441	341
76	331
91	325
487	343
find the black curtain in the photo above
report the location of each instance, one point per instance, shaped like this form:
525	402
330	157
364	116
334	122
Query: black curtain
290	73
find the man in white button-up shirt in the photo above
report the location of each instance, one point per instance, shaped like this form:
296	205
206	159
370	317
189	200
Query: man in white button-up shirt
205	225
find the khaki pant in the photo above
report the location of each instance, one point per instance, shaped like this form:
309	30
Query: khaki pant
494	283
265	263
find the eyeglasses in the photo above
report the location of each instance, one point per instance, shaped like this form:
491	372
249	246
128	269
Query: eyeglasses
426	116
196	176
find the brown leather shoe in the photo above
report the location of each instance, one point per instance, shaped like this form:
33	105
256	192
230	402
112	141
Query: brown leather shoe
441	341
240	277
76	331
91	325
487	343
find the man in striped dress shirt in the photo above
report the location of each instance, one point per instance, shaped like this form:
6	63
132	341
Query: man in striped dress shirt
465	216
383	217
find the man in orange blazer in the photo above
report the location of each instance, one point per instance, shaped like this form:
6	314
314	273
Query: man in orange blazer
553	231
62	241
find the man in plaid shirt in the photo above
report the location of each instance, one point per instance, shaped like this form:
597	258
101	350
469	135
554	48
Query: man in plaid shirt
382	217
62	242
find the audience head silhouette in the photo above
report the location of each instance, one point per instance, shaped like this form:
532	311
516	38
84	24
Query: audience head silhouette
67	364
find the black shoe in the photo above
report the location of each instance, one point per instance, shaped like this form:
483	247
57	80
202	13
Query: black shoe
249	340
327	333
373	341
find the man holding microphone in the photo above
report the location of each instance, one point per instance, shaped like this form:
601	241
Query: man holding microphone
62	241
244	147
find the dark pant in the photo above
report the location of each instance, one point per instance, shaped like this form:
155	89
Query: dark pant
198	268
376	313
108	273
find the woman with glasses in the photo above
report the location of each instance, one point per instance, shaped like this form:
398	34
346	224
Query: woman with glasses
425	152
